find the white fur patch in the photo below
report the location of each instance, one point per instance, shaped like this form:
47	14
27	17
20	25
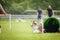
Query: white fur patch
0	30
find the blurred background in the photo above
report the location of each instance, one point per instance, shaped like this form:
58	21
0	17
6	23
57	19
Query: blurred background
20	6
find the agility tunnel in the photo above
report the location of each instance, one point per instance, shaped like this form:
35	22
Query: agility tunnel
51	25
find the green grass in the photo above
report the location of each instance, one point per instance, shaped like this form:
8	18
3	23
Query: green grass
23	31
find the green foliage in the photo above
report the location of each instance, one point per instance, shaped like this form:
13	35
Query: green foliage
19	6
5	3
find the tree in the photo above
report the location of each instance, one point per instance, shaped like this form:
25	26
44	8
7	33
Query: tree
13	6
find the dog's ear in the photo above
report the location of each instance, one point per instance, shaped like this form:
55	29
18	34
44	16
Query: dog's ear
0	26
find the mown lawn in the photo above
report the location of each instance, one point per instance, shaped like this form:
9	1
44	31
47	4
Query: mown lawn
23	31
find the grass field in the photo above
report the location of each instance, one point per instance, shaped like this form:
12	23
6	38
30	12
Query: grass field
23	31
